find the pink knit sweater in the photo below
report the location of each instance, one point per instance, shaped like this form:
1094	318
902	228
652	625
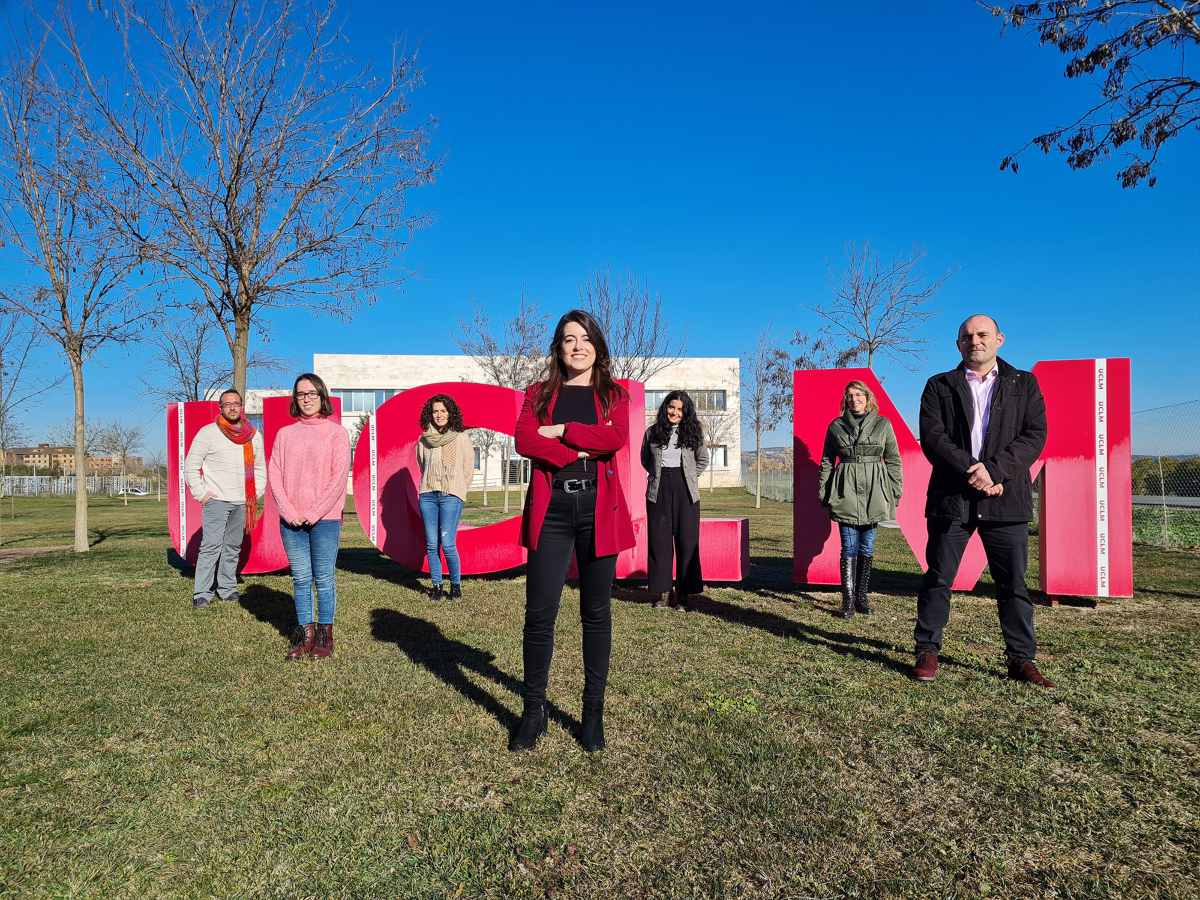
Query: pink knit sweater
307	471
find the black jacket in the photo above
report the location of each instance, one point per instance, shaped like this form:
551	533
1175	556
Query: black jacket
1015	436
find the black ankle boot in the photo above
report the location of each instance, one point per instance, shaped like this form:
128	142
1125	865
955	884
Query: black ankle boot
862	584
531	727
849	564
456	592
591	735
435	592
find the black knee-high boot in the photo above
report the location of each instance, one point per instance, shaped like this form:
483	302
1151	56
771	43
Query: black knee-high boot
849	564
862	585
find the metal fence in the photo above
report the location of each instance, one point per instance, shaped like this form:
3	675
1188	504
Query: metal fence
1166	475
776	474
64	485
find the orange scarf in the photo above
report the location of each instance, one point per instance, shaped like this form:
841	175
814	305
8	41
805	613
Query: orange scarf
243	433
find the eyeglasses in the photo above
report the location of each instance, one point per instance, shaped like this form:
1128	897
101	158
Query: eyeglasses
307	395
231	406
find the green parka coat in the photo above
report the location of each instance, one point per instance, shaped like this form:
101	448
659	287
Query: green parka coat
863	486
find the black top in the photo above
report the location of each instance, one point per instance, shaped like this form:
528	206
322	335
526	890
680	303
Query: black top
576	403
1015	436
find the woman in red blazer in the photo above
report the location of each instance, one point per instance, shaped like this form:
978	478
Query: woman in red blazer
571	426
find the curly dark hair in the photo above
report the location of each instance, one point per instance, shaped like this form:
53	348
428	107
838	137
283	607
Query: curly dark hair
456	420
691	435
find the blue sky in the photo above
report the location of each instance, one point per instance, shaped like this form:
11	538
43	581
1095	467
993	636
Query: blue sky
727	155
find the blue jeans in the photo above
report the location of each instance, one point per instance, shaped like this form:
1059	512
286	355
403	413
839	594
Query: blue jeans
857	540
312	553
440	512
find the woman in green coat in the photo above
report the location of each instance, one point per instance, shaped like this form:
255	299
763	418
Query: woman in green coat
861	479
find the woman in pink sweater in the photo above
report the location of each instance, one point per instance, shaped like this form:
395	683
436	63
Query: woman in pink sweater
307	478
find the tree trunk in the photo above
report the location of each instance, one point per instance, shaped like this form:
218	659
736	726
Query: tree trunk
124	483
81	497
758	468
504	474
712	469
485	454
241	352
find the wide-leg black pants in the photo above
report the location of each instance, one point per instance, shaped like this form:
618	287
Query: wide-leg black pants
570	524
1007	547
673	523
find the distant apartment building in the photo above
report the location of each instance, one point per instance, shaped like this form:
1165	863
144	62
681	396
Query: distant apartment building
53	459
366	381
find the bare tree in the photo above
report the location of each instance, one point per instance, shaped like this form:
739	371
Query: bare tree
158	465
182	351
719	427
1147	96
51	219
484	439
512	355
63	435
121	441
878	306
765	395
640	340
18	337
275	171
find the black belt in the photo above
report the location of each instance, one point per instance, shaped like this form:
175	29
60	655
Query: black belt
576	485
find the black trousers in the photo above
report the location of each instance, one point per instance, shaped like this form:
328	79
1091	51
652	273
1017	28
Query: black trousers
570	524
1007	547
673	524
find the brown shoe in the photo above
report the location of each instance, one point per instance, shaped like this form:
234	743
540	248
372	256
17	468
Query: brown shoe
926	668
1027	671
323	646
302	642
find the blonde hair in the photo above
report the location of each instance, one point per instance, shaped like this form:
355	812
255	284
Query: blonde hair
872	405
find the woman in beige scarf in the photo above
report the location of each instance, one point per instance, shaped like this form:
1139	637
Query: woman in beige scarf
447	460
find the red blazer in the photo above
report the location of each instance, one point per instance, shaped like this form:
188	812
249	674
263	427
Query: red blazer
614	529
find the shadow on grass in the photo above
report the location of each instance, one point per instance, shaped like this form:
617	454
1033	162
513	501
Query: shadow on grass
97	536
450	660
867	649
369	561
273	607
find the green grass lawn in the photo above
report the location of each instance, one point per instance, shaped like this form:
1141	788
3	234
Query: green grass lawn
759	747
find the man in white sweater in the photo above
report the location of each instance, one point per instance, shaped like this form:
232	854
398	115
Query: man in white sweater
217	465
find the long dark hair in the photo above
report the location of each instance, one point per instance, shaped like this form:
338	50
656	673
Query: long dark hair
294	408
602	380
691	435
454	423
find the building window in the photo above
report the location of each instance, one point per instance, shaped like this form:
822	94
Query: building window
477	460
704	400
654	399
708	401
362	401
718	457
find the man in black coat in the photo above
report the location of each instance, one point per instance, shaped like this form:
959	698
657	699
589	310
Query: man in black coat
983	424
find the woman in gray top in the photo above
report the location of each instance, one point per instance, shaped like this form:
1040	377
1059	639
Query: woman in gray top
674	455
861	489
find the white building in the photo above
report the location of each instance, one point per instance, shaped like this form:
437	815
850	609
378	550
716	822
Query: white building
364	381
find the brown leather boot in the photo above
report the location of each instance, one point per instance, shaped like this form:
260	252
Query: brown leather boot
302	642
926	668
323	647
1025	670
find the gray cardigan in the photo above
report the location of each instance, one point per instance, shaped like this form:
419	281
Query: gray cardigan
694	464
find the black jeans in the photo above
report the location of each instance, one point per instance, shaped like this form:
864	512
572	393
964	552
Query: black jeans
570	524
1007	547
673	524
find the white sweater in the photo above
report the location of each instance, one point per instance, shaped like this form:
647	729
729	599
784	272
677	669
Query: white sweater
215	465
